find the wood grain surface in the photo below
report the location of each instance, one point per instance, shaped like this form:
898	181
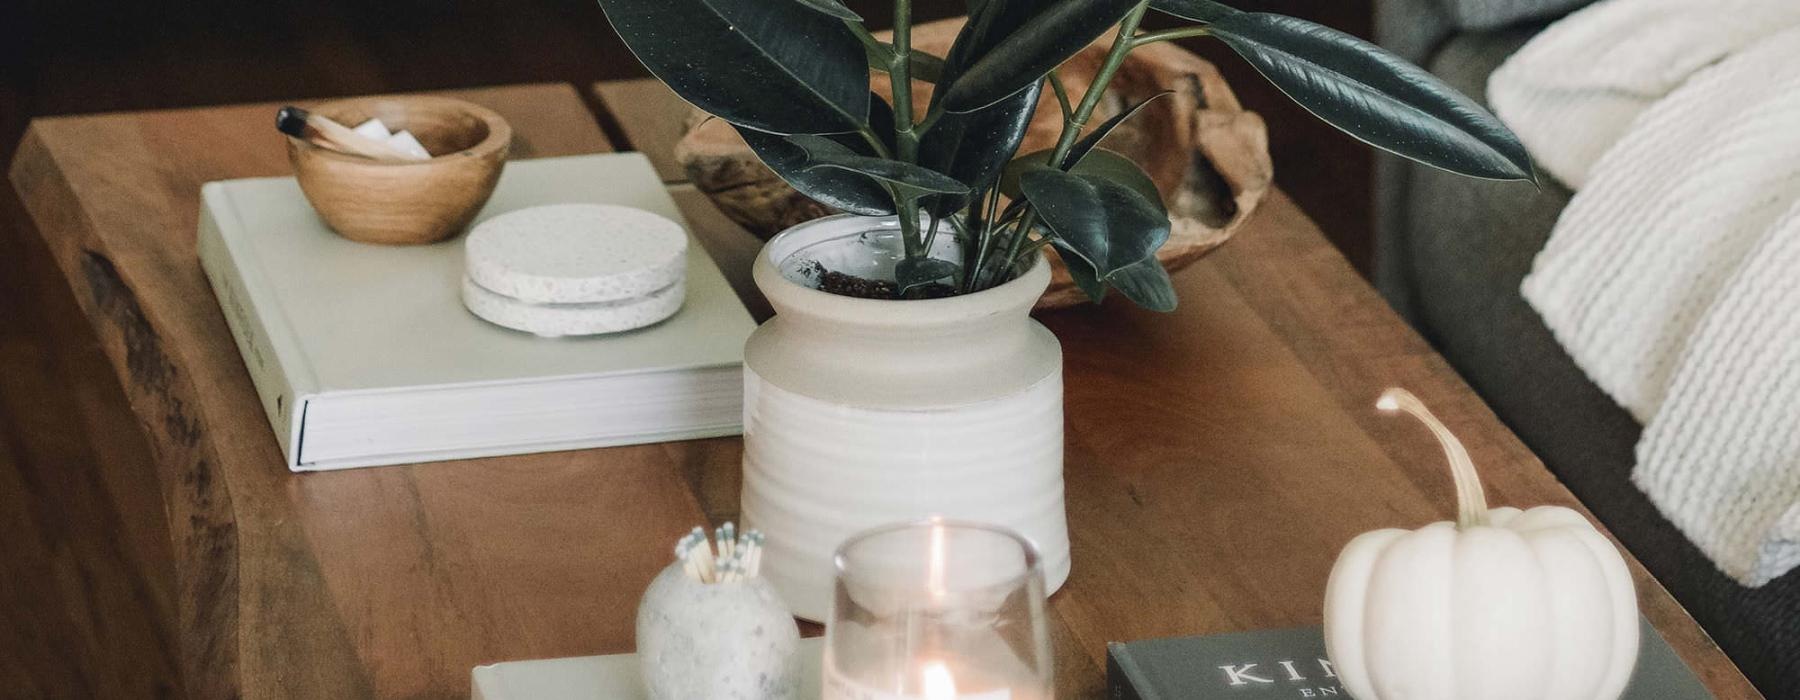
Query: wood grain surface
1218	457
87	606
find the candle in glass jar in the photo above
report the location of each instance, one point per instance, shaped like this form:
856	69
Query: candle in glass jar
938	610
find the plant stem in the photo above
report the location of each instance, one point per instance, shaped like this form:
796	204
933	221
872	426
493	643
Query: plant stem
976	254
959	227
997	220
900	70
931	237
868	40
874	141
906	142
924	125
1021	231
1169	35
1035	246
1114	58
1062	95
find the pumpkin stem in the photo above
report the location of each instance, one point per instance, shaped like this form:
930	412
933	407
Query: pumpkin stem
1471	501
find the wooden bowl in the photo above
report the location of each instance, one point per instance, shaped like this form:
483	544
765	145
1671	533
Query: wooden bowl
1208	155
405	202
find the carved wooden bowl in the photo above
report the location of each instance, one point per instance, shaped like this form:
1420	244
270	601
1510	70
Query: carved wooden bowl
405	202
1208	156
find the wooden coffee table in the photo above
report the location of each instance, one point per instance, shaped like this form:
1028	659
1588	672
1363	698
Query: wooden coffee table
1218	457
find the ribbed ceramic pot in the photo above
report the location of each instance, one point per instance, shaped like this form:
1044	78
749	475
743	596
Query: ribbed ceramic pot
862	412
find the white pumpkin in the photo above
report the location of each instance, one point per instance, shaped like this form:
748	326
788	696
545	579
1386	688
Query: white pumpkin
1500	605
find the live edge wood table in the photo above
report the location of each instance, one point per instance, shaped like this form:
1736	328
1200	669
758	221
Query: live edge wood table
1218	457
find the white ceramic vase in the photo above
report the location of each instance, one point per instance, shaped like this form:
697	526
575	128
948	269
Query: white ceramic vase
862	412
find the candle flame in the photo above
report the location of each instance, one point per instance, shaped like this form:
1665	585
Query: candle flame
939	685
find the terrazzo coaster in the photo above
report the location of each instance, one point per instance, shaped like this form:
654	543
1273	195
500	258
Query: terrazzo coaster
576	254
556	320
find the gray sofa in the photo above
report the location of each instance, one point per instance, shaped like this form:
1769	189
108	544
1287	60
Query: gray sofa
1451	252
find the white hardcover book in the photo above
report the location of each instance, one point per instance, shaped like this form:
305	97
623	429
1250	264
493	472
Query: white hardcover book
363	355
613	677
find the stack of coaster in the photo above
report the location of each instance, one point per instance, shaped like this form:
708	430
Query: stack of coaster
575	269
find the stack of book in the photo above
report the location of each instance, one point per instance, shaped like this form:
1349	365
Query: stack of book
364	355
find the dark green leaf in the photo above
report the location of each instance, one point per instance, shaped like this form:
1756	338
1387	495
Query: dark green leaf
1197	10
772	66
920	66
1111	166
1106	223
974	147
832	8
1015	169
910	179
1100	162
1375	96
988	25
914	272
1147	284
1052	33
1084	276
1087	143
857	194
842	190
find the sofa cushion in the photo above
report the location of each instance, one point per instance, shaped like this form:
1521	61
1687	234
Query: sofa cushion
1493	14
1463	246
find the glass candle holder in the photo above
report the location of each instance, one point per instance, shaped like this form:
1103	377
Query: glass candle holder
938	610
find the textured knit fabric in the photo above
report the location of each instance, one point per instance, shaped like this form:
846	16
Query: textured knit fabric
1466	245
1649	277
1571	93
1671	211
1722	456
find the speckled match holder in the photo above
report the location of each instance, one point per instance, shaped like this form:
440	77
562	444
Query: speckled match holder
719	641
575	269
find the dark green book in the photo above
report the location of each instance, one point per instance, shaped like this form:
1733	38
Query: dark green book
1290	663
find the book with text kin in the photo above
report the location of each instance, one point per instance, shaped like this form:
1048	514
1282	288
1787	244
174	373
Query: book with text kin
1290	664
363	355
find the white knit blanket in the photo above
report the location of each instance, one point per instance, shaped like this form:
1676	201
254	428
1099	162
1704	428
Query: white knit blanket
1673	277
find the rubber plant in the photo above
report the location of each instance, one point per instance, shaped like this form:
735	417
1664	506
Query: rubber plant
793	77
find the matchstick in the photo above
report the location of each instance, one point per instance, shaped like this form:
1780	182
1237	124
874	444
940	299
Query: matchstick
738	559
301	124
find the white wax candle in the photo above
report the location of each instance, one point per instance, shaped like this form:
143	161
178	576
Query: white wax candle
939	684
936	682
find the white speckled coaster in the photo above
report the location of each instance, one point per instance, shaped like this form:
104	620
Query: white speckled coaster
576	254
555	320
